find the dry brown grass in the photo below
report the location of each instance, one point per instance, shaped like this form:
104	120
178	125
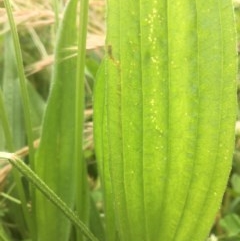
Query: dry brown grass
35	15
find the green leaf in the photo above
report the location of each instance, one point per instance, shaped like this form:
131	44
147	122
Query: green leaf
82	194
11	95
167	116
13	102
235	181
101	149
56	162
37	107
13	125
47	192
96	225
22	82
231	224
3	234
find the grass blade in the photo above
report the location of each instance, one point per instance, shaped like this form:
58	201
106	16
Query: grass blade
82	194
102	150
22	81
56	160
12	95
47	192
13	122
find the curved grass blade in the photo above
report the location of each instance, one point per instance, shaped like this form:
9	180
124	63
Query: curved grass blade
47	192
56	161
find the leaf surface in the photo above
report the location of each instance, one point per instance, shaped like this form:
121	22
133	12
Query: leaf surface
55	160
168	115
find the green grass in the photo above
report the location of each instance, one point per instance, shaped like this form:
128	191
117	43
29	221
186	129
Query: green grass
48	77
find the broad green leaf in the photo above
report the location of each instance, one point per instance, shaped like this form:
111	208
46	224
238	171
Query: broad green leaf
167	116
56	162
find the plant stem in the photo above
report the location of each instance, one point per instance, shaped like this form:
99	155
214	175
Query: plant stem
82	197
22	81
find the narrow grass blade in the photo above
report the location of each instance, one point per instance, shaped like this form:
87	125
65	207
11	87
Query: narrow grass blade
37	108
13	120
3	235
22	82
82	194
96	224
6	137
56	160
47	192
11	94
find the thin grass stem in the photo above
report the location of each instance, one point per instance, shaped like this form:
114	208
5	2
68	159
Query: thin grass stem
82	196
22	80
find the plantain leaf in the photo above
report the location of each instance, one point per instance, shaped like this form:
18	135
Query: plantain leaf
167	115
102	156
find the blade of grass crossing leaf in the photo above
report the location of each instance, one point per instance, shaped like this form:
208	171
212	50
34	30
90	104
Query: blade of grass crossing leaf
24	97
82	194
14	119
8	144
47	192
